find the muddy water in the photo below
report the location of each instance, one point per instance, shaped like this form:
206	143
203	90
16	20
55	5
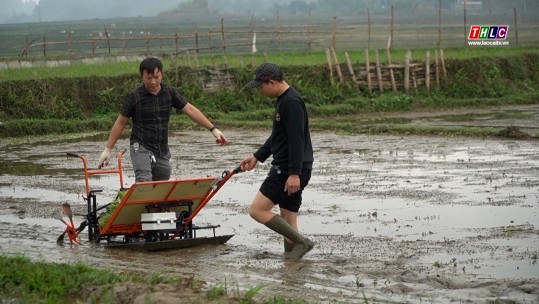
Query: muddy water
400	219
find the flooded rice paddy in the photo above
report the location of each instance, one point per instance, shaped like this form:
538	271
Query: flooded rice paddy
395	219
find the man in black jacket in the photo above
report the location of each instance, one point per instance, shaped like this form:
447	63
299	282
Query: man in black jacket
290	145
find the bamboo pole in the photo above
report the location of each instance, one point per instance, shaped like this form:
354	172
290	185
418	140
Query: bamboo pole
414	81
416	26
407	56
309	38
278	29
334	33
439	23
516	25
427	70
176	42
176	70
368	28
436	68
330	67
368	69
442	61
196	59
69	46
391	74
465	31
251	30
196	40
123	43
189	59
223	41
44	47
24	52
379	72
350	68
337	66
490	11
211	51
391	29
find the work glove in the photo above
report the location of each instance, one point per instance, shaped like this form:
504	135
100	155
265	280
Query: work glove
219	137
105	158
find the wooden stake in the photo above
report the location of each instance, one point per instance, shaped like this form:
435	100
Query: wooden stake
330	67
189	59
391	75
414	81
427	70
251	30
196	40
436	69
211	51
379	72
391	29
407	56
278	29
368	28
176	42
350	68
442	61
224	41
516	25
334	32
196	60
368	69
309	38
69	46
337	66
465	29
44	47
439	23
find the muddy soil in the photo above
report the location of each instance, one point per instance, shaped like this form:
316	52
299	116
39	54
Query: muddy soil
395	218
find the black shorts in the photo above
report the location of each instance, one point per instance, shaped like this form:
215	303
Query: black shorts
273	188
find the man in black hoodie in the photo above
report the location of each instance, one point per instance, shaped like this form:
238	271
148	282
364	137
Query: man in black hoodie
290	145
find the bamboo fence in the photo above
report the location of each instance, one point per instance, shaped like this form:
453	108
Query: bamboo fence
390	75
299	35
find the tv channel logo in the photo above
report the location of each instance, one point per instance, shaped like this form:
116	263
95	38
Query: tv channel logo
488	32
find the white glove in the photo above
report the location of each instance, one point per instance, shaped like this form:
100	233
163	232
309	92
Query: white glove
105	158
219	137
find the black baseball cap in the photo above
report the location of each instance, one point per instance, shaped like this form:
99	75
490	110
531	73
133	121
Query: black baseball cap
264	73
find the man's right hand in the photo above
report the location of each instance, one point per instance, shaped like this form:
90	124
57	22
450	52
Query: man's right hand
248	163
105	158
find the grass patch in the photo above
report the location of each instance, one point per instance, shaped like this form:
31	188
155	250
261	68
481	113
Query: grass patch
25	281
41	282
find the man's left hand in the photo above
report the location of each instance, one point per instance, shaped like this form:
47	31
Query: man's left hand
219	137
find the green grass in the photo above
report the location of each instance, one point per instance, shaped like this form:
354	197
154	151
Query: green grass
41	282
79	69
25	281
73	70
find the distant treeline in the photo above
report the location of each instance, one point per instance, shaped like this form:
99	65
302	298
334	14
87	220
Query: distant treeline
60	10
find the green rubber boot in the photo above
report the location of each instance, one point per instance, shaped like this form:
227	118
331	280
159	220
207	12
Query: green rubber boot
287	249
301	244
